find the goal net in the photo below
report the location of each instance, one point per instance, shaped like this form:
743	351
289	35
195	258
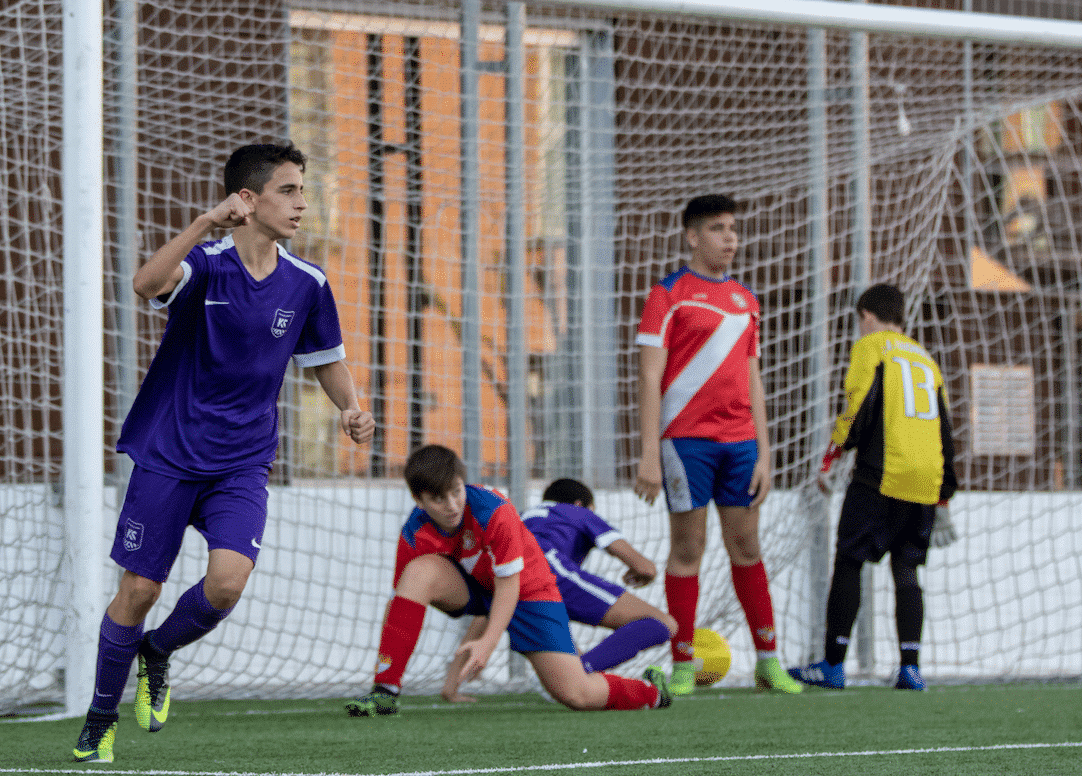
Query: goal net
492	191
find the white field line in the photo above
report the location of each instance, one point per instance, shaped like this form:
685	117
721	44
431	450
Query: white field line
571	766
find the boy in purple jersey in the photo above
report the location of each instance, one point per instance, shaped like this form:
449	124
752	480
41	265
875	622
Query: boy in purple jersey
203	430
567	528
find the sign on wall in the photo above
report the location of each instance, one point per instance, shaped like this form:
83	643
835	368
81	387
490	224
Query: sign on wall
1002	410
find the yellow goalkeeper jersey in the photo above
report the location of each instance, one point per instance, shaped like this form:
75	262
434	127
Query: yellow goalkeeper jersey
896	418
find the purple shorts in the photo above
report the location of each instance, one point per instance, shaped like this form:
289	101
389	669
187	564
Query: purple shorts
587	596
698	470
230	512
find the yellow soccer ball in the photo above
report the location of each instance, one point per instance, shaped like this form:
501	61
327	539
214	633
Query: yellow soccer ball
712	657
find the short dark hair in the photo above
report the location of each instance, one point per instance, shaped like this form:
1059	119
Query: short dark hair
251	166
885	302
432	469
704	207
568	491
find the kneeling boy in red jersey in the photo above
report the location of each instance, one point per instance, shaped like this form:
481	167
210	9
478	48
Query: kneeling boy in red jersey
464	550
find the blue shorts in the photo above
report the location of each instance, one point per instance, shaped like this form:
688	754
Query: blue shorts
536	626
587	596
698	470
230	512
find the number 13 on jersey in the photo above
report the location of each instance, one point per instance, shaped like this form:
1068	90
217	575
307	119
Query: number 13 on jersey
918	378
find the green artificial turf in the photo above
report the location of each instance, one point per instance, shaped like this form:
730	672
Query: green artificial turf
959	730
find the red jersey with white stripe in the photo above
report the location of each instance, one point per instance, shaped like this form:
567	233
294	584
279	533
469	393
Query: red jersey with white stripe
710	328
491	541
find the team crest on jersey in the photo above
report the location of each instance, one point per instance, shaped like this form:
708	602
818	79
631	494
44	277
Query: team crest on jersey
133	536
282	319
468	541
740	301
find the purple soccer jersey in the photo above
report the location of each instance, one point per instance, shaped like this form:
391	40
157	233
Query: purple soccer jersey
571	530
566	534
209	403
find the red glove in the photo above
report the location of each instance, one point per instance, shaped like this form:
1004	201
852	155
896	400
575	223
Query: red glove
832	454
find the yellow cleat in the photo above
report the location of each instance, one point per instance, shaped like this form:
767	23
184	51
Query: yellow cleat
96	742
152	694
771	677
380	702
682	681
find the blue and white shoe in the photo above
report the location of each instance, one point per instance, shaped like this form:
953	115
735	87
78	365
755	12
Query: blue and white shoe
909	678
821	674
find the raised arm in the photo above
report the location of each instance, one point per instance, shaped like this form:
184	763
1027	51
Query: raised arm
162	271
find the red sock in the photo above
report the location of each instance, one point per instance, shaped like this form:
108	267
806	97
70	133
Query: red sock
751	588
630	693
682	596
401	630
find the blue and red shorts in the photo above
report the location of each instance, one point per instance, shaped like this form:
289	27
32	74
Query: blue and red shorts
696	471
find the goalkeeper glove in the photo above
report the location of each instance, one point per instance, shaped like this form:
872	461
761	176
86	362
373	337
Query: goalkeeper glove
833	453
943	533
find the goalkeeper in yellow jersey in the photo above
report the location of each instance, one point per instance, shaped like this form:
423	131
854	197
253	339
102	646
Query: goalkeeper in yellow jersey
896	418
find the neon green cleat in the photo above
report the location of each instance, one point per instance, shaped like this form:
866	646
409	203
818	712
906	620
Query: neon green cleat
378	703
656	676
152	695
96	741
770	676
682	681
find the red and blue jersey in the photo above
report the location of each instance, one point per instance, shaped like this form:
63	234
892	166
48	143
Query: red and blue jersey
208	406
491	541
710	328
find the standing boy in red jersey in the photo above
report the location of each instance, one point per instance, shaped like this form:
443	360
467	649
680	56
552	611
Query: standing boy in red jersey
702	419
464	550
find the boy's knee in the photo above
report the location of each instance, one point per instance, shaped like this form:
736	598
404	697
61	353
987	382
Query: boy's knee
670	622
575	698
224	591
134	598
905	574
688	549
424	570
744	549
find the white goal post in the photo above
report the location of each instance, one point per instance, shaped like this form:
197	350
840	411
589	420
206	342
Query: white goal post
860	16
490	232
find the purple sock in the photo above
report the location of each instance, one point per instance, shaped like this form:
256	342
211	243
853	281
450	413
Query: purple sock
624	643
192	618
117	645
